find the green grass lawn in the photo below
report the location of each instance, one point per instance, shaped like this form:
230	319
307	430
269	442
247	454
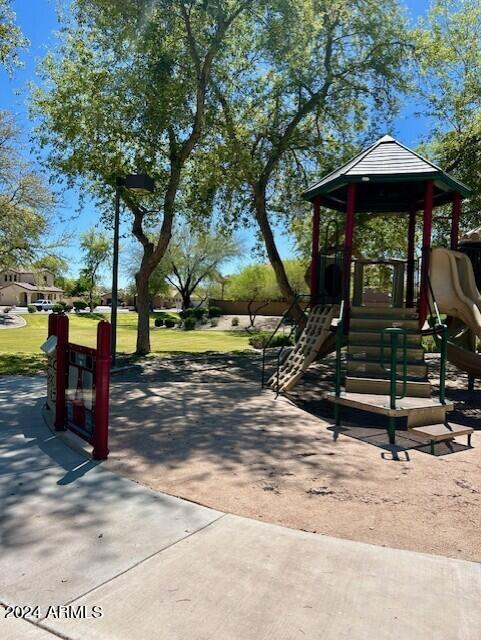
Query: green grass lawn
20	348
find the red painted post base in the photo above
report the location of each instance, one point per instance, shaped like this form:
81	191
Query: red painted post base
102	393
61	328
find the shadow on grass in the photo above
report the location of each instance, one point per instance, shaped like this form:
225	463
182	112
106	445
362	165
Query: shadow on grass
23	364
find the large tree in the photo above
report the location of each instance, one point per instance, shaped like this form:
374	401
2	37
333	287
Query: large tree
313	75
97	250
11	37
26	203
449	62
194	256
128	91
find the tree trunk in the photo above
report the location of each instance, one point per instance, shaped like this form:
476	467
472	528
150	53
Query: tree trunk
259	190
143	310
186	301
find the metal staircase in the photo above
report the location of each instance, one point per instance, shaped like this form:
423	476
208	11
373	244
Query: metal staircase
387	374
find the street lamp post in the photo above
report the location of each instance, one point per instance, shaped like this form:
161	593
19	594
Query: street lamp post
139	183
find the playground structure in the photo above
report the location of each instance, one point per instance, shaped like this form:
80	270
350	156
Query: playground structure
78	384
386	370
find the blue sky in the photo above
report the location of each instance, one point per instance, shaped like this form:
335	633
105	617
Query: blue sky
37	19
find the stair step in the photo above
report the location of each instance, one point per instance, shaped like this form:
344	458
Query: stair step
388	312
442	431
373	336
414	388
373	351
373	367
379	323
412	407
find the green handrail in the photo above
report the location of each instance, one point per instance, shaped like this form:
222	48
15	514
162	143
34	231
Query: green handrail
441	341
394	333
338	373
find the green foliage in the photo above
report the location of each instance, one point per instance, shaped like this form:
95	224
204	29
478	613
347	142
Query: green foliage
79	305
260	340
31	308
215	312
58	308
159	322
97	250
189	323
214	322
258	281
25	202
235	322
170	323
11	37
449	64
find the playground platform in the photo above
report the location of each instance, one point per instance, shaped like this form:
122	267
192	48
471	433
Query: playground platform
74	533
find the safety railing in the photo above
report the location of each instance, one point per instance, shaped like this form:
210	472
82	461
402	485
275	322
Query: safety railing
338	371
301	300
439	331
393	334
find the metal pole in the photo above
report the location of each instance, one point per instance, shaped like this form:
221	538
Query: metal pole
115	269
427	226
316	212
411	261
456	214
348	236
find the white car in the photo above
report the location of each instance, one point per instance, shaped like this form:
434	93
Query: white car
43	305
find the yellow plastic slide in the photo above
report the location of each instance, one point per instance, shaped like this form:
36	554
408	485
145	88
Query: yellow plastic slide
454	287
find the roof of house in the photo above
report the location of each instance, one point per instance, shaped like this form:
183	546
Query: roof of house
32	287
390	178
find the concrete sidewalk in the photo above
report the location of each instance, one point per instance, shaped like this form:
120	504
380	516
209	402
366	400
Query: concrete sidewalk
72	533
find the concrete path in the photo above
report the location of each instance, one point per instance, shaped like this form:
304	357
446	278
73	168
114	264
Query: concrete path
72	533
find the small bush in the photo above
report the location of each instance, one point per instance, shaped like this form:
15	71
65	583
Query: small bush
214	322
197	313
78	305
159	322
189	324
31	308
260	341
8	309
170	323
67	307
235	322
58	308
215	312
184	314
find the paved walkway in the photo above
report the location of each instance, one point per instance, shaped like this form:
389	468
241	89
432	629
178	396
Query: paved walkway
160	568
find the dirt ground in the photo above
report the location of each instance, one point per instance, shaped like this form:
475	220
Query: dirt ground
202	429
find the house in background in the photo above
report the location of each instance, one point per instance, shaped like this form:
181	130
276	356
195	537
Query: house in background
22	287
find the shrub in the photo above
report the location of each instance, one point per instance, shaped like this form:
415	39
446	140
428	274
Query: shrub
31	308
184	314
214	322
260	341
67	307
215	312
189	324
58	308
170	323
8	309
79	304
197	313
159	322
235	322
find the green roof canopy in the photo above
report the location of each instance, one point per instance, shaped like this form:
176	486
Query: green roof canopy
390	179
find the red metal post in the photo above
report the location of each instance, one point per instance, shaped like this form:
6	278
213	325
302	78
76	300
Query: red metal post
102	392
456	214
62	369
348	236
411	260
52	324
316	213
427	226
